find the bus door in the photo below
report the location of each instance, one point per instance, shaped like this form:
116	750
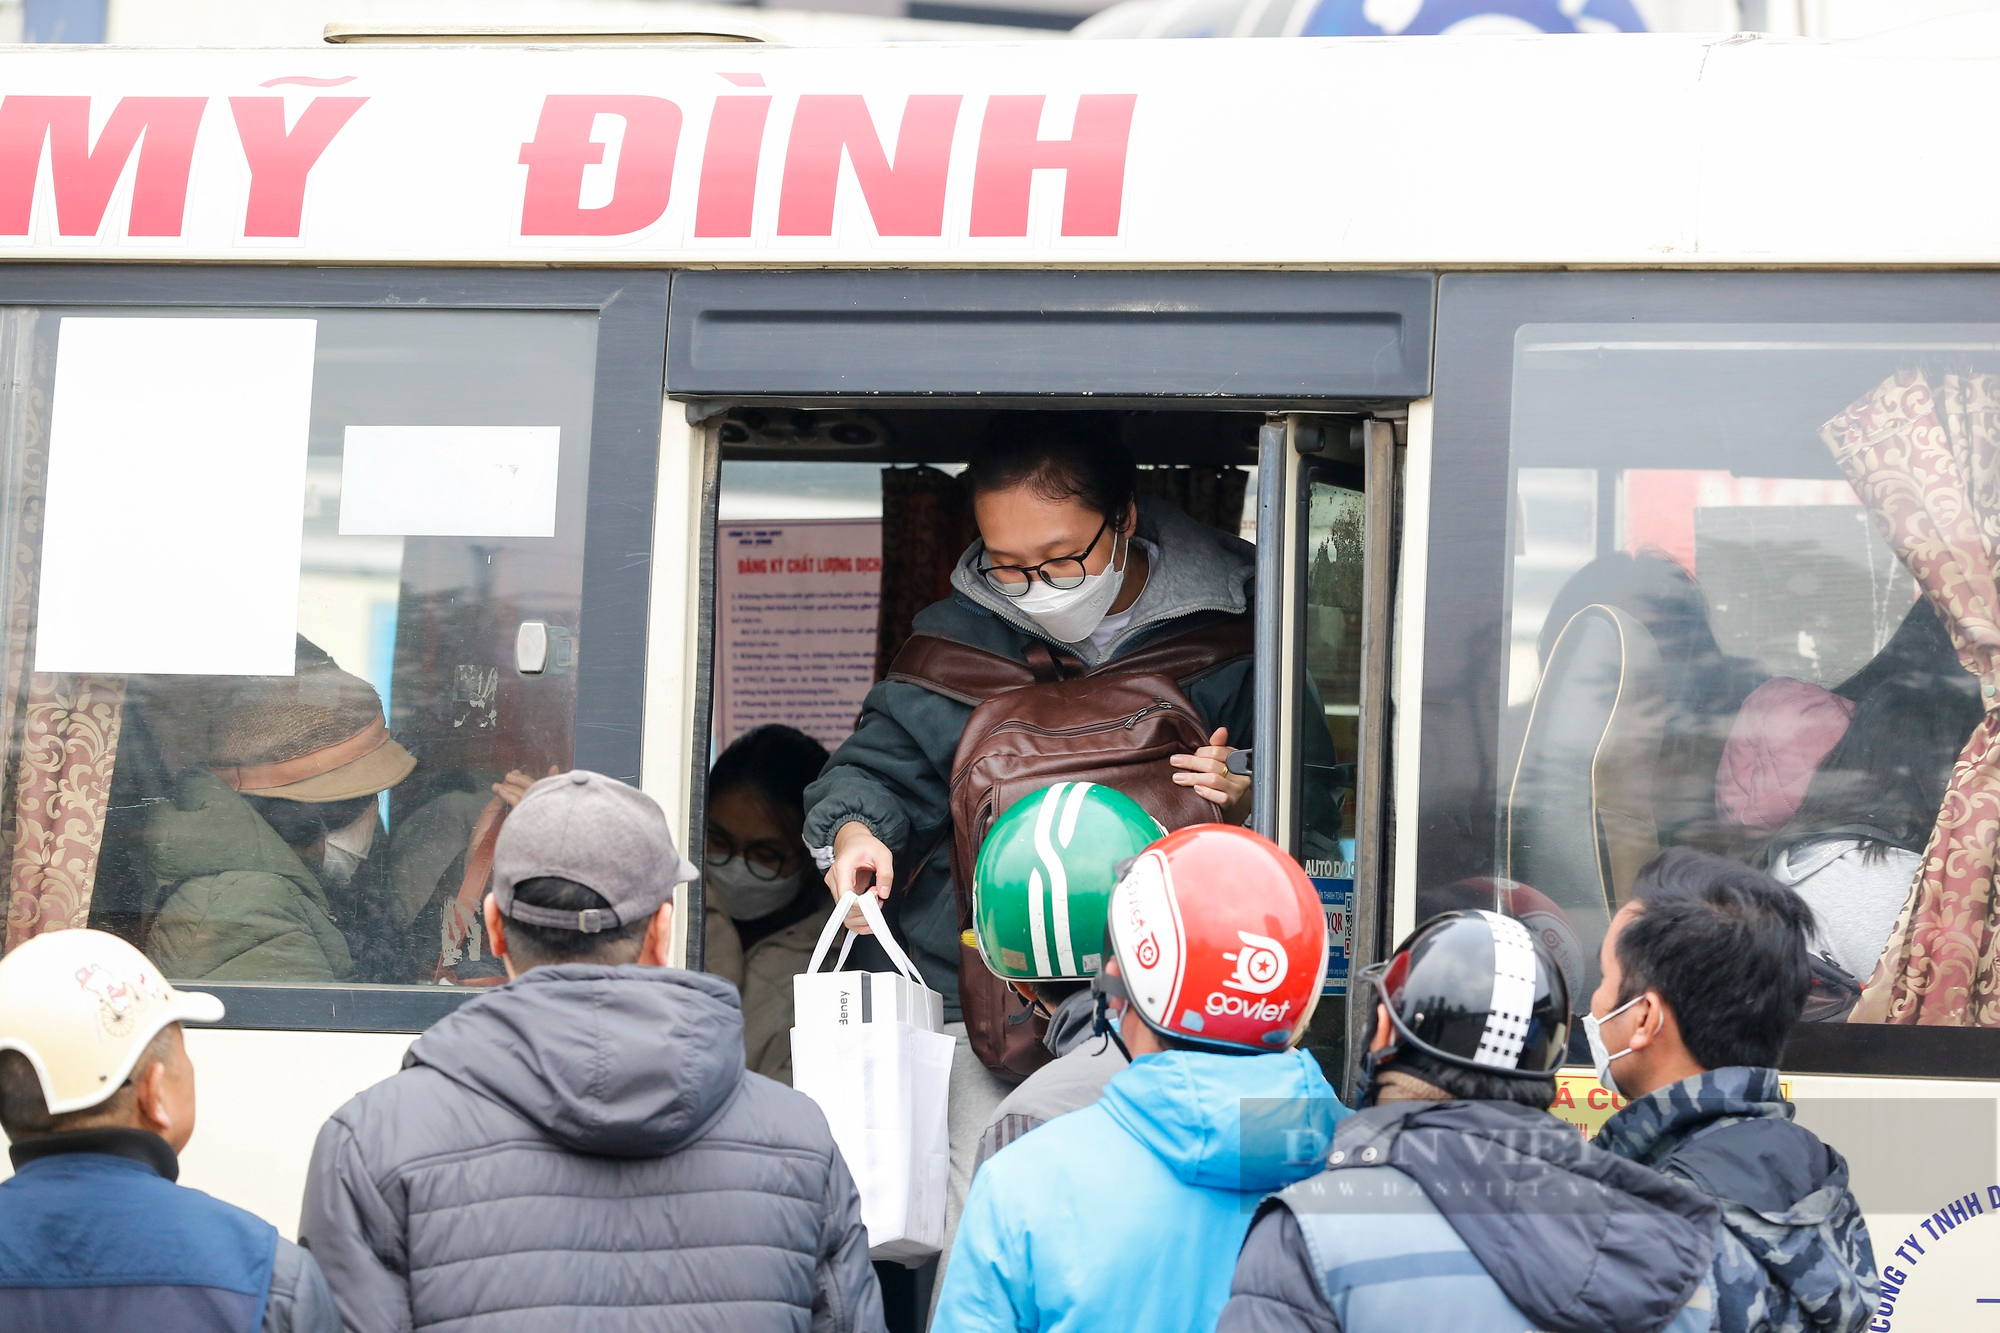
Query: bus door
834	409
1327	511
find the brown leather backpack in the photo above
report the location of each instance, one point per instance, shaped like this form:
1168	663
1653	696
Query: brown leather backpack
1044	720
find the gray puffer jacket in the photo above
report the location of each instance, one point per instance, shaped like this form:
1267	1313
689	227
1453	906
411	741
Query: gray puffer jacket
582	1150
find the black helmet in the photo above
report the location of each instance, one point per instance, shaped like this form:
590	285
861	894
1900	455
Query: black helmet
1478	990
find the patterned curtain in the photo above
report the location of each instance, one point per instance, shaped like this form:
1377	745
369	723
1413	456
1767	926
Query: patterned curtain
62	784
1927	465
61	731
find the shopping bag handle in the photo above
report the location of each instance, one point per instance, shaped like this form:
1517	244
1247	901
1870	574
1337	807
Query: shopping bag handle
871	912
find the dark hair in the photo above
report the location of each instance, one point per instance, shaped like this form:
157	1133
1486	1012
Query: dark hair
1476	1085
1884	780
540	946
775	762
1919	652
24	1112
1653	588
1725	946
303	823
1060	456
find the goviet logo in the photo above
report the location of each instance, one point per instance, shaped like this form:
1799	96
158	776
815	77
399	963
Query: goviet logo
1149	952
1260	964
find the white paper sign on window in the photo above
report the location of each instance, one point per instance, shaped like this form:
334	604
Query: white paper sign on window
449	481
796	601
176	484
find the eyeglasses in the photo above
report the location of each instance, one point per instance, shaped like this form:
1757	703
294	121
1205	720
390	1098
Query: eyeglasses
764	858
1063	573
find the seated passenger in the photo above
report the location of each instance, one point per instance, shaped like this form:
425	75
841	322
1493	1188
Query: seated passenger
1856	843
765	910
267	854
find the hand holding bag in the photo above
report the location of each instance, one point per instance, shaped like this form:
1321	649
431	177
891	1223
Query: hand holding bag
866	1048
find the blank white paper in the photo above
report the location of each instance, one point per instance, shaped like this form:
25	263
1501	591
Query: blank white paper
449	481
176	488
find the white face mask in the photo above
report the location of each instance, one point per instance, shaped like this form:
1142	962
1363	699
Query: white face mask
1068	615
347	849
744	897
1594	1034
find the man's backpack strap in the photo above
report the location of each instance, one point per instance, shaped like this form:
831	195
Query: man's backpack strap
957	670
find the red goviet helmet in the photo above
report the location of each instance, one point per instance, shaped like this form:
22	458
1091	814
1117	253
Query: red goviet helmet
1220	939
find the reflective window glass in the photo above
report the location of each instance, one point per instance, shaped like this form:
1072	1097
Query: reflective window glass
1748	605
357	638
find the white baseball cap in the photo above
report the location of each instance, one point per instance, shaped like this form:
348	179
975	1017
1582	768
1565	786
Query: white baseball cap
81	1005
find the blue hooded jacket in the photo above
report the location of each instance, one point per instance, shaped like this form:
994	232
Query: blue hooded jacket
1129	1213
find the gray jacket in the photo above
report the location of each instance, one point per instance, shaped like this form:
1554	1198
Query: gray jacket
1084	1063
582	1150
893	775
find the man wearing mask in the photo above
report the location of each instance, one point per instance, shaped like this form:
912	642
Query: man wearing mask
267	856
97	1100
1705	973
1452	1202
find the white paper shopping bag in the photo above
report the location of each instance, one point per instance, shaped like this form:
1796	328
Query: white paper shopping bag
838	999
883	1082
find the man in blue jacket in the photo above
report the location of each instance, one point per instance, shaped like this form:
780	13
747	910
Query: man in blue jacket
97	1099
1127	1214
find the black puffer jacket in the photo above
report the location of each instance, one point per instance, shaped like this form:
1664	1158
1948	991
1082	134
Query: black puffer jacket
582	1150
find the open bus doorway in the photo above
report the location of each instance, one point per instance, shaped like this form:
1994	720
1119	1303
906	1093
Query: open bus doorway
835	528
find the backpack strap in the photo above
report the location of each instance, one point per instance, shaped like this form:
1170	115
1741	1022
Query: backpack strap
957	670
1192	654
971	675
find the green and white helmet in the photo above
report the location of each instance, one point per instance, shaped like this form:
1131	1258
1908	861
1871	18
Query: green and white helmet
1044	879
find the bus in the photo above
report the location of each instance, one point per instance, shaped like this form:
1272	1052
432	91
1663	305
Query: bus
1614	418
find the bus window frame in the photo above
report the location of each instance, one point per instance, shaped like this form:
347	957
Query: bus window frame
1465	614
626	396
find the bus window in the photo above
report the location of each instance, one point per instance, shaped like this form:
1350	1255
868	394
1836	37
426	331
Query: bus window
1745	603
312	822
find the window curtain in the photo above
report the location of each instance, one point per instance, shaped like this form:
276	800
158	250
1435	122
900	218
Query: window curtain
927	524
62	730
1927	465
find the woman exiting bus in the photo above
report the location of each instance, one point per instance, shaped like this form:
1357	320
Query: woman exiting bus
1069	564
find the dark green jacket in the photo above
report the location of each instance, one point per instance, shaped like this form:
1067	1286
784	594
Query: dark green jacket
893	775
239	905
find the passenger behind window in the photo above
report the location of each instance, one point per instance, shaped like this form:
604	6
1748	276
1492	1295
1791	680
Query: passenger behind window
1855	844
1703	686
268	856
765	912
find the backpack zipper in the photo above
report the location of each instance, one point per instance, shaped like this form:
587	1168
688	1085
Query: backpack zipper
1157	706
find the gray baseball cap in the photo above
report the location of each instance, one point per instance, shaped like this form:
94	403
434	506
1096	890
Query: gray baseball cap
594	831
